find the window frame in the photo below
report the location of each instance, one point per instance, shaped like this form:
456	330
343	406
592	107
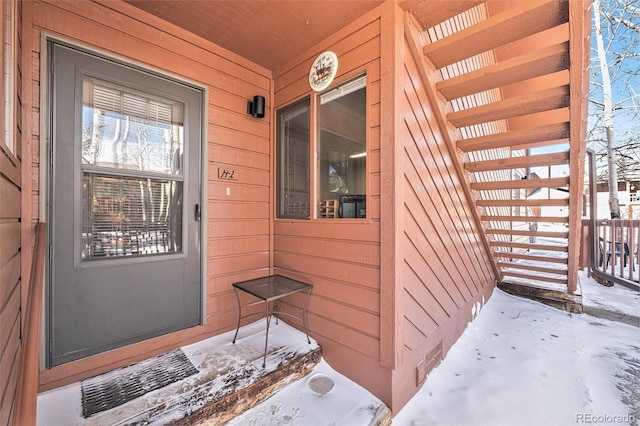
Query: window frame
8	64
307	101
314	150
318	140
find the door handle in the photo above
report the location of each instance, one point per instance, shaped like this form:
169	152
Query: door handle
198	213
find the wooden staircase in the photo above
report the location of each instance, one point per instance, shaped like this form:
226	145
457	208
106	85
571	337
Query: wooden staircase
509	79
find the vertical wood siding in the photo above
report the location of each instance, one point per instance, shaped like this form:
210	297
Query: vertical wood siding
238	211
341	258
10	241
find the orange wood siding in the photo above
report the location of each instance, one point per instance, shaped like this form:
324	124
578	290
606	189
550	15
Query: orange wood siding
239	211
10	238
341	257
445	269
392	292
10	300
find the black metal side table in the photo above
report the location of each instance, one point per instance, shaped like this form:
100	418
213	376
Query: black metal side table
269	289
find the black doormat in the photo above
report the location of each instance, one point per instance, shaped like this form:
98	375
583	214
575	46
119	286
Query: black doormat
117	387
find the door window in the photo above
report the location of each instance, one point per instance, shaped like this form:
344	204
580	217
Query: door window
132	170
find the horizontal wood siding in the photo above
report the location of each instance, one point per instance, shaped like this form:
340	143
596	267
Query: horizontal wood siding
10	304
10	239
341	258
238	211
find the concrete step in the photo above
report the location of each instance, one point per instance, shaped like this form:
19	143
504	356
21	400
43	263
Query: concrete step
229	382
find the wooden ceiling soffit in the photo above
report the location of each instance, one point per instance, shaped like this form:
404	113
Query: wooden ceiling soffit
523	19
268	33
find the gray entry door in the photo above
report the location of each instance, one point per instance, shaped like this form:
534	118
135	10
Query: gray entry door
124	200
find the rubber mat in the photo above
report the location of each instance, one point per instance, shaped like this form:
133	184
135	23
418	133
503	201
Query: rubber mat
117	387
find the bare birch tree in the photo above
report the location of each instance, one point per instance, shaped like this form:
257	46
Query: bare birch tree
614	99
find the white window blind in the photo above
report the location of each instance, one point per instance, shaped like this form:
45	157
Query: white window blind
343	90
128	129
133	104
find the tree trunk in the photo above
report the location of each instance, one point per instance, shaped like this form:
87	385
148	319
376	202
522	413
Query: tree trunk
614	202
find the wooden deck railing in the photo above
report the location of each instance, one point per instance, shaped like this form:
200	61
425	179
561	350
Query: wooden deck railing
614	251
27	392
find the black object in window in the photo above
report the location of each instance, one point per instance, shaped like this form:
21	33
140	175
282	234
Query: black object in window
353	206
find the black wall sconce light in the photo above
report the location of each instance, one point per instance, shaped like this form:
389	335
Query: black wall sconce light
256	108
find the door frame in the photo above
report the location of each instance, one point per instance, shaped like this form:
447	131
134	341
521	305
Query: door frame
46	162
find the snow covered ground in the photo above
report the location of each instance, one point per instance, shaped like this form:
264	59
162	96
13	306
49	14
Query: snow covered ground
521	362
518	363
322	397
342	402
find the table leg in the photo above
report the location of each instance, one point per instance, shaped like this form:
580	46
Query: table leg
304	315
266	337
235	291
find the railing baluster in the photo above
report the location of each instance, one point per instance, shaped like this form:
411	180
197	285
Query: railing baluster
626	249
618	242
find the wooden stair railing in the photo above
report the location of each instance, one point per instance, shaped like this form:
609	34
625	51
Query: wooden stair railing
503	76
27	392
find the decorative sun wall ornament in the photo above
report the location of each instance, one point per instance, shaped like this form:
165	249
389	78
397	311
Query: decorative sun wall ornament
323	71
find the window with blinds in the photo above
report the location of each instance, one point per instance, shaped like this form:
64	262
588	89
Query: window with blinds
292	153
7	67
127	129
132	166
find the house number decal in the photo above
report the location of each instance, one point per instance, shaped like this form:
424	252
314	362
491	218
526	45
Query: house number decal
227	174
